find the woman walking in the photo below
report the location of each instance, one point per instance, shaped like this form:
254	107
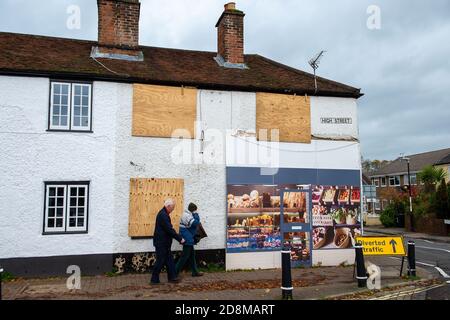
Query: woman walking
190	221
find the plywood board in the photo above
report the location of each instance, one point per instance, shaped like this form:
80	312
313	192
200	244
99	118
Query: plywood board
290	114
147	198
158	111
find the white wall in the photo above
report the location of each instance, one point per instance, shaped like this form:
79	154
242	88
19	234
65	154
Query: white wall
272	260
244	150
253	260
320	154
330	258
330	107
30	155
204	183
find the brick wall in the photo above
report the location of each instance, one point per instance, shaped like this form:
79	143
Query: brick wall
429	225
118	23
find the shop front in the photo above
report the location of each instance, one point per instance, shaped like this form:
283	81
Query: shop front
314	212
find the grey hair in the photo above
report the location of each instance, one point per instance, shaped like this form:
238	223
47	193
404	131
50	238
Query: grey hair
169	203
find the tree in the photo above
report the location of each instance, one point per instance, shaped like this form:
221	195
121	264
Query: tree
440	174
370	166
431	176
442	201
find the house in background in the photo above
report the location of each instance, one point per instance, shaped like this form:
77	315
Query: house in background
87	136
445	165
390	180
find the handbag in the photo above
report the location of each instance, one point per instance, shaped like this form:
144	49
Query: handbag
199	234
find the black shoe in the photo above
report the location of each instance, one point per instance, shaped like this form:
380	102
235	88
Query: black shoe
155	283
176	280
200	274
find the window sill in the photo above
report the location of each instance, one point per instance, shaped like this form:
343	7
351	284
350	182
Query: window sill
70	131
142	238
63	233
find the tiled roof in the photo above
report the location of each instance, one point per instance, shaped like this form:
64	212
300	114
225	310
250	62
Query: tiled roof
445	160
366	179
58	57
417	162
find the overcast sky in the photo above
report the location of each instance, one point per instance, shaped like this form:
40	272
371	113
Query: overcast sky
403	68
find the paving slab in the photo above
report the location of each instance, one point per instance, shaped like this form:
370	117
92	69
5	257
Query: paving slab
309	283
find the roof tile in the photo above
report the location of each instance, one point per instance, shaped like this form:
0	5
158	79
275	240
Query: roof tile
59	57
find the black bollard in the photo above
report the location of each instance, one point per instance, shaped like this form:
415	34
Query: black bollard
286	276
361	274
1	275
411	259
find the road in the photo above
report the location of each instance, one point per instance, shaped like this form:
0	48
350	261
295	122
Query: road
435	257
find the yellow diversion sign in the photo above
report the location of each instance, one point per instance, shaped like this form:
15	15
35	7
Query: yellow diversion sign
379	246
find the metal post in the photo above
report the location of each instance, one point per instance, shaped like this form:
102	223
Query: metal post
410	200
401	267
361	273
1	275
286	278
411	259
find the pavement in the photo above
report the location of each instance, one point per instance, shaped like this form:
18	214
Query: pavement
337	283
310	283
419	290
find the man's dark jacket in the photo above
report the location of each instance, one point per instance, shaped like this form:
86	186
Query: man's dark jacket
164	232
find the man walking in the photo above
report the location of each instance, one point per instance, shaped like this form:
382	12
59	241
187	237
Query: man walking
162	240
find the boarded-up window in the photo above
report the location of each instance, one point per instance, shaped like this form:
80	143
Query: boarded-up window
290	114
147	198
158	111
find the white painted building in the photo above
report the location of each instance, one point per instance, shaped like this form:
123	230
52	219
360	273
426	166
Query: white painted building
79	143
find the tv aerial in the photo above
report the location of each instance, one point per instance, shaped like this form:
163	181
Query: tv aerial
314	63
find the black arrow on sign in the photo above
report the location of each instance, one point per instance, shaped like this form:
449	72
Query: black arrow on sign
393	243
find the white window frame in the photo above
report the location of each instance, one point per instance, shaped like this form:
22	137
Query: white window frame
377	205
394	177
52	94
375	182
85	206
46	217
381	181
66	229
70	108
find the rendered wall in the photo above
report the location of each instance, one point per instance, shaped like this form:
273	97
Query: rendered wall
111	156
204	180
31	155
324	111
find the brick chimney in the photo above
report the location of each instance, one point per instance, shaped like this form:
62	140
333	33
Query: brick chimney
230	36
118	23
118	30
